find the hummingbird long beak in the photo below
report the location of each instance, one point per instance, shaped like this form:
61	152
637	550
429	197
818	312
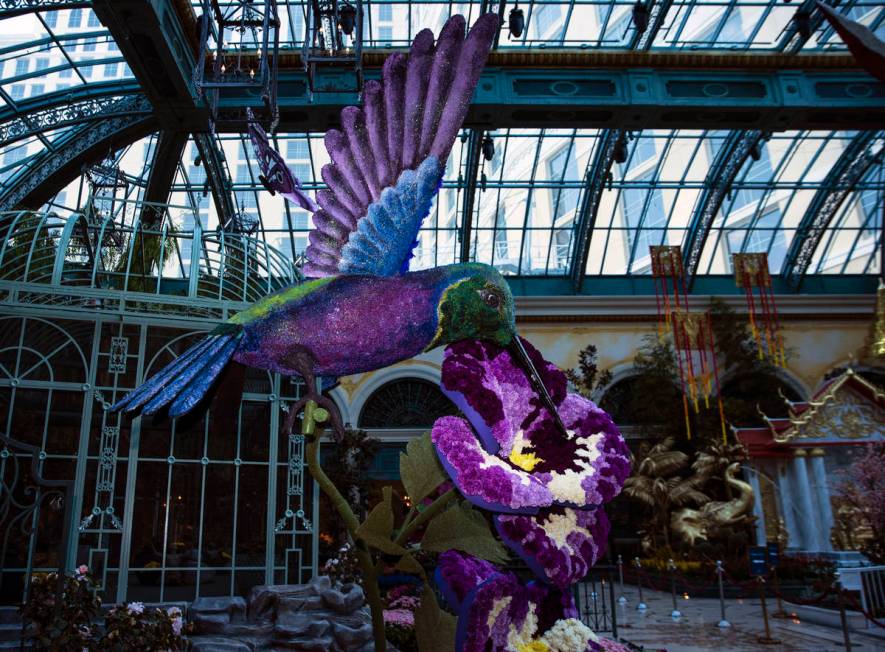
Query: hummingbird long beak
522	357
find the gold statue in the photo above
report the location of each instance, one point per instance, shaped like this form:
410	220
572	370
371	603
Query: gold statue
692	524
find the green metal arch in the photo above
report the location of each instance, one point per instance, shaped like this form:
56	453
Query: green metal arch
45	174
70	114
10	8
728	164
69	96
852	165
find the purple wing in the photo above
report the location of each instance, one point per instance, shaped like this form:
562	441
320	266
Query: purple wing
409	120
275	174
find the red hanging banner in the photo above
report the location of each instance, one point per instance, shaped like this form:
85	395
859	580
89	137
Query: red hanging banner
751	273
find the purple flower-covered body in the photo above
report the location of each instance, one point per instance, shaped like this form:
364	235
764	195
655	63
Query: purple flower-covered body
347	324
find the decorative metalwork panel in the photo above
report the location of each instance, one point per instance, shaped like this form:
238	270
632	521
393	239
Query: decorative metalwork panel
9	8
35	175
57	117
117	359
24	492
295	488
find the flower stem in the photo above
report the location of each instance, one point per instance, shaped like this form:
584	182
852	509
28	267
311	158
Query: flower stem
432	510
313	420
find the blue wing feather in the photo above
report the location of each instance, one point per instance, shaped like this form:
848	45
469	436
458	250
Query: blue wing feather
384	240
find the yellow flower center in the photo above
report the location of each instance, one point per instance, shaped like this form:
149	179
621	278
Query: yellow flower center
525	461
535	646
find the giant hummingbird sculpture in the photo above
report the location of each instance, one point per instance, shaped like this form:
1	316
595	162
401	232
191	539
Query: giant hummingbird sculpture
363	309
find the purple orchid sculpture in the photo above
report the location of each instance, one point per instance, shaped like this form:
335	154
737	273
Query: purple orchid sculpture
498	613
511	459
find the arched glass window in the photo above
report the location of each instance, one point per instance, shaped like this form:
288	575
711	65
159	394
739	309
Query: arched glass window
405	403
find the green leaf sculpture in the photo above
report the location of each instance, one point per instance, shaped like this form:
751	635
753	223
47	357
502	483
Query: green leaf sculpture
376	530
420	469
463	528
434	628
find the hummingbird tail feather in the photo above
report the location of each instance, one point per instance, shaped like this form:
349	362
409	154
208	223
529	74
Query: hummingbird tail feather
183	382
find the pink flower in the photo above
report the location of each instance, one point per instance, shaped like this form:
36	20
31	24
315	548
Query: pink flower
82	569
177	623
401	617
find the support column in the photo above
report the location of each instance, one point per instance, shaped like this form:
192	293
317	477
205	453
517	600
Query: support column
803	497
788	504
824	514
761	538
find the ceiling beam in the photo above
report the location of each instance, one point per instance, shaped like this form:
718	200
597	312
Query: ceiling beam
47	173
620	99
468	200
159	51
594	184
164	164
217	175
731	158
859	156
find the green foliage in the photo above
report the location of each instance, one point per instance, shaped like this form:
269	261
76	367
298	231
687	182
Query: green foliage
135	628
377	529
587	378
463	528
65	625
72	623
420	469
434	628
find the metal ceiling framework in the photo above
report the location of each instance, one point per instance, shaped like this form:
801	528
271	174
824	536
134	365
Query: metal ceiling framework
859	156
43	175
648	18
115	114
729	162
164	164
11	8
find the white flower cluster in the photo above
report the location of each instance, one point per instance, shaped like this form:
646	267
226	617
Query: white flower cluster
569	635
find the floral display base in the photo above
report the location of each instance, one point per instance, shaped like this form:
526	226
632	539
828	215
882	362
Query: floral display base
313	617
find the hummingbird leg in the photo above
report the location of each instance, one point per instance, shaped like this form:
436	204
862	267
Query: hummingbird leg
312	394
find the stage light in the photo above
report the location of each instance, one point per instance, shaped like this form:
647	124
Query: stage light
802	18
482	181
197	161
755	152
620	152
347	18
516	22
640	16
488	148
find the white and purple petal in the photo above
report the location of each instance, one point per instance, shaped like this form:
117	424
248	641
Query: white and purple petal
558	545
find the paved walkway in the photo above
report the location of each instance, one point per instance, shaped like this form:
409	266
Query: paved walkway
697	631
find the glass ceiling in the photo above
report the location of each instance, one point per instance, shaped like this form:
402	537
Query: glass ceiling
529	195
692	24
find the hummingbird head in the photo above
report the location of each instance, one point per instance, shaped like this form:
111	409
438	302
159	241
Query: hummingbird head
477	305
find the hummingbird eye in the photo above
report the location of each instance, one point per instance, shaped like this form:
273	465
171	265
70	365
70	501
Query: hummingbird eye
491	298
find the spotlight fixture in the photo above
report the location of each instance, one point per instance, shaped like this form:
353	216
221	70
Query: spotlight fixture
482	181
264	182
640	16
347	18
516	22
206	189
197	160
620	151
488	148
802	19
755	152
